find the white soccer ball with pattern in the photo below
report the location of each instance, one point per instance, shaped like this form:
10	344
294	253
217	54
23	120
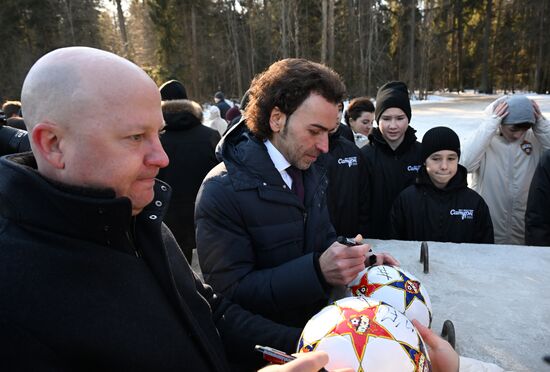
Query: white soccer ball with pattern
365	335
396	287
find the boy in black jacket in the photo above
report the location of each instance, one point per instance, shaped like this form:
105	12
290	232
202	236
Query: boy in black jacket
440	206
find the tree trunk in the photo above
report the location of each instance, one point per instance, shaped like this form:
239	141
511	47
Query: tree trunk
370	47
330	33
324	6
411	45
295	11
538	69
233	28
284	37
122	26
70	19
485	88
459	38
194	51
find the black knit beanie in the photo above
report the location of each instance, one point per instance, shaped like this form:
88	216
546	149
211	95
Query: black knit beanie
171	90
440	138
392	94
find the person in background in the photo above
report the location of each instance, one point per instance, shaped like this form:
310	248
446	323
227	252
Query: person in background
91	279
242	108
347	194
219	99
12	109
360	117
190	146
393	155
537	213
13	114
215	121
264	236
173	89
502	156
440	206
233	114
343	129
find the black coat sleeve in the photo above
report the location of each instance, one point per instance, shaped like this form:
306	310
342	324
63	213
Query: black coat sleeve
537	214
398	219
241	330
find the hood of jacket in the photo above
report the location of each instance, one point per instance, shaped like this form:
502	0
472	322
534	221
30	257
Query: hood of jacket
377	139
181	114
245	158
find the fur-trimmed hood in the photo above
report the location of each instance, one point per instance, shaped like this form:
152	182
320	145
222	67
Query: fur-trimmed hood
181	114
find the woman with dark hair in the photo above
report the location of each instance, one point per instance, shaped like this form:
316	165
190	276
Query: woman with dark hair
360	117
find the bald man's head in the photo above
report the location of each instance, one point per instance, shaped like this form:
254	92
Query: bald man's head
68	85
94	119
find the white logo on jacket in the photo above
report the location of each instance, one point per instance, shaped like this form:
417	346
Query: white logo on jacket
466	214
352	160
413	168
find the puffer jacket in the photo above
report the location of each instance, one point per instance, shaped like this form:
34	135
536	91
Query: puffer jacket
191	147
348	188
390	172
87	287
502	172
453	214
257	243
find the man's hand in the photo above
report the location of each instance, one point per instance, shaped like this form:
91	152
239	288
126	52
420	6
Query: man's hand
442	354
305	362
383	258
340	263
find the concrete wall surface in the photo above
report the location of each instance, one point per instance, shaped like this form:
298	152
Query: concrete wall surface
497	296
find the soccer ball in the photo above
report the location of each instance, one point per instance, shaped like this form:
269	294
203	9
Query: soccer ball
366	335
394	286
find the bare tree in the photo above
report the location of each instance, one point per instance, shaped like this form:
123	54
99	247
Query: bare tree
324	21
485	88
295	12
122	26
284	32
330	32
412	23
541	33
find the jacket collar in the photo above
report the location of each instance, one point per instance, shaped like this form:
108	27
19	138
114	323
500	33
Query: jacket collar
250	167
85	214
459	181
376	138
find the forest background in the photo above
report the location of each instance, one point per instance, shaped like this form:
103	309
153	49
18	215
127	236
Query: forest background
211	45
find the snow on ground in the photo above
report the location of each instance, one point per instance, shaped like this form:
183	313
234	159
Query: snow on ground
461	112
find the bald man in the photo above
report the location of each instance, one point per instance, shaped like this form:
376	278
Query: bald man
90	278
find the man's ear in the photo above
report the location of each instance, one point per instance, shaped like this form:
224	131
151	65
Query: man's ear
277	120
46	138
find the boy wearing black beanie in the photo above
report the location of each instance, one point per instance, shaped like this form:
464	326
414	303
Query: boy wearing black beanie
440	206
393	156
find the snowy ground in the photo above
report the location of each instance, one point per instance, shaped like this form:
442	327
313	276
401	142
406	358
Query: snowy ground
463	113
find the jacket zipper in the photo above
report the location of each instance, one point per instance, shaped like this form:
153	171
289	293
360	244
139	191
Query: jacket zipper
130	236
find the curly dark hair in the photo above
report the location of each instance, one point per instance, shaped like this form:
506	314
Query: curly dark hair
357	106
286	84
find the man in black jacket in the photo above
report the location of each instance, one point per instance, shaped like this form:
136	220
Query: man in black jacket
440	206
90	277
264	236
